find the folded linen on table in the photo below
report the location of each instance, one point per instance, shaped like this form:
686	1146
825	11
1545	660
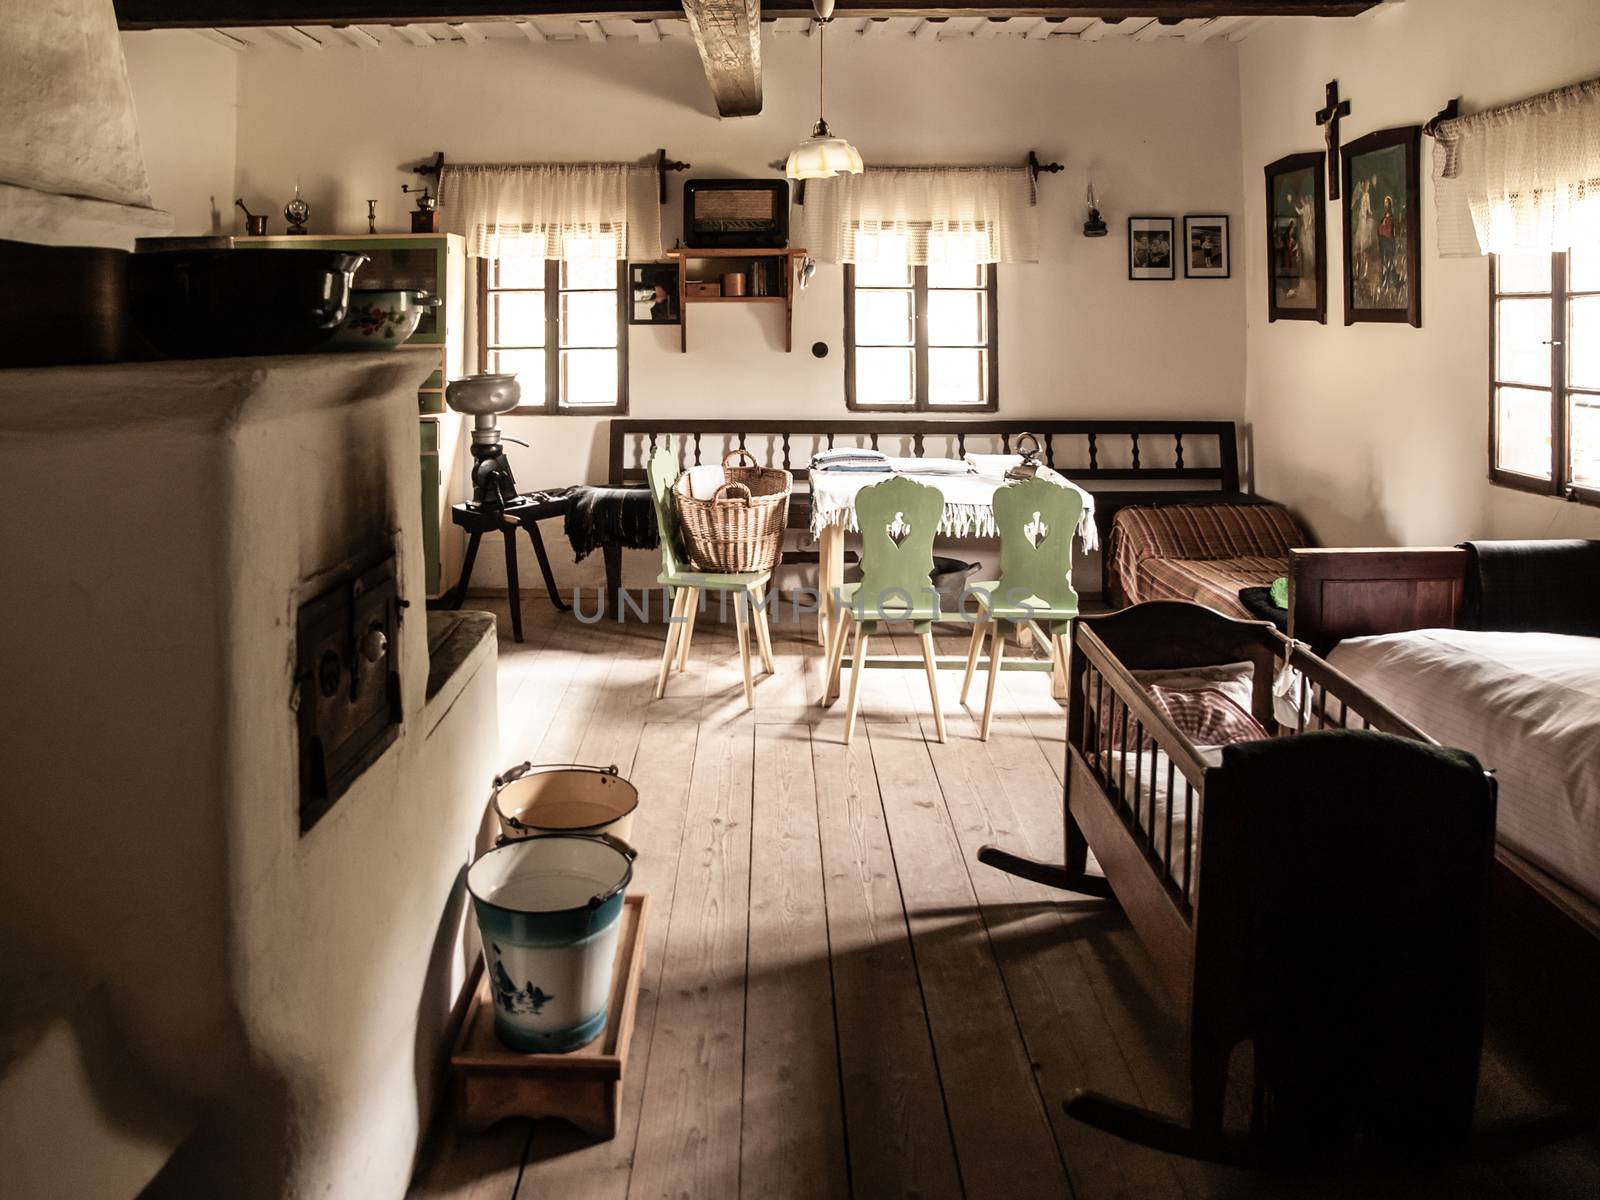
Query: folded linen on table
850	458
931	466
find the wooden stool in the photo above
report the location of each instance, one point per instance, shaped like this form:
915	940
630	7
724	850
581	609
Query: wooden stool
526	511
491	1082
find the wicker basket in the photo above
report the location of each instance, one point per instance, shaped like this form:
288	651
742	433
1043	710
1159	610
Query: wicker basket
733	517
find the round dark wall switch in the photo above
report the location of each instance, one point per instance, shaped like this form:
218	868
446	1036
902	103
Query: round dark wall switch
819	349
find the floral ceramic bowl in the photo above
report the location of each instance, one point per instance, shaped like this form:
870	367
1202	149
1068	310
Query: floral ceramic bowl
381	320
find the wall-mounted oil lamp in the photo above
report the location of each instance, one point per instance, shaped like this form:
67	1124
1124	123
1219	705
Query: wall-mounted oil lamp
1094	226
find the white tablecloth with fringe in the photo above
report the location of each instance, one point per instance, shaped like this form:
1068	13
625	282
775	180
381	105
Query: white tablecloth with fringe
968	499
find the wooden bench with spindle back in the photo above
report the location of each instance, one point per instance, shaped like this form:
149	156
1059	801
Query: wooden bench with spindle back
1119	462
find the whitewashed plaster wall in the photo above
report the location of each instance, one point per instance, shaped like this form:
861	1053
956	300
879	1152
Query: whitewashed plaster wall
185	95
1377	434
1157	124
292	991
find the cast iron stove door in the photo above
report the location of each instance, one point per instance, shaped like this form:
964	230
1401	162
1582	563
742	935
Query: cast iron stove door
347	679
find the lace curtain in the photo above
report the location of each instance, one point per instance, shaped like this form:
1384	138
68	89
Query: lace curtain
1523	178
562	210
988	211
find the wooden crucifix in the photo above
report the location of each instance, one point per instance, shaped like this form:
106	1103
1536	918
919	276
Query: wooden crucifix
1328	118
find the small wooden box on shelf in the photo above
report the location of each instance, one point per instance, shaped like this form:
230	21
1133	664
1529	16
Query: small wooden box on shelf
768	276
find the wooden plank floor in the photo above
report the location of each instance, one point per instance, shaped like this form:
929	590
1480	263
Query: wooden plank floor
839	1000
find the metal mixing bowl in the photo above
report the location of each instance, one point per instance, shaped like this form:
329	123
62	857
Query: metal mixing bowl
483	395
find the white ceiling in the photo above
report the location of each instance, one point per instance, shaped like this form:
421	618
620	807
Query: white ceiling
571	29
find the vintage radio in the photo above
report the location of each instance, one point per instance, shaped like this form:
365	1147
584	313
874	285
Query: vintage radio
736	214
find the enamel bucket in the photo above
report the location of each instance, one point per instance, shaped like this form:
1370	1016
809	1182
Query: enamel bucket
566	798
549	909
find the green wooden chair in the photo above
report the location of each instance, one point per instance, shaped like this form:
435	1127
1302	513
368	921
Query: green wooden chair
898	519
1037	520
686	585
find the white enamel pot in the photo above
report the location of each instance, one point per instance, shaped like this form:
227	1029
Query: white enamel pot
564	798
549	909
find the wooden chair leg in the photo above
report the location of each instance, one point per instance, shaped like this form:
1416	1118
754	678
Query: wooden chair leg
997	653
741	623
933	682
458	594
856	669
514	594
674	631
1058	668
973	653
691	607
764	631
844	623
831	664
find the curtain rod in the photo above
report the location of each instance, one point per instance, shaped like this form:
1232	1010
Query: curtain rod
1452	110
661	165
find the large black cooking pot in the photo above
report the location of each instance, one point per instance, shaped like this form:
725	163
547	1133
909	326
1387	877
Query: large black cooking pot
211	303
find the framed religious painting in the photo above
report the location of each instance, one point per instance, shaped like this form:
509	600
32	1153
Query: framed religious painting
1382	214
1151	252
1297	238
1206	252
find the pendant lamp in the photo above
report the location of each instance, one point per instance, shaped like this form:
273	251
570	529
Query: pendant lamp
822	156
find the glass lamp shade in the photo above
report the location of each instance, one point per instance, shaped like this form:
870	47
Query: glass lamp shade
822	156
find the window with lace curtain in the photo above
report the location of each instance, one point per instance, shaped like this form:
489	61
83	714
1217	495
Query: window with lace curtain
1544	431
1521	183
559	324
920	337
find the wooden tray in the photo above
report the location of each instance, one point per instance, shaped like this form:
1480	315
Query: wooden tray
490	1082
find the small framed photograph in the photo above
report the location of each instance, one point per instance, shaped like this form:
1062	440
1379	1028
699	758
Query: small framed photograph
1150	248
1207	253
653	294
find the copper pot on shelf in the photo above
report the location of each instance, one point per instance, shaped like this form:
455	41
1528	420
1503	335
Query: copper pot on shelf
733	283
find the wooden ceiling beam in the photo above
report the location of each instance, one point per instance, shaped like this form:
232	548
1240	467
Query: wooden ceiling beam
728	36
222	14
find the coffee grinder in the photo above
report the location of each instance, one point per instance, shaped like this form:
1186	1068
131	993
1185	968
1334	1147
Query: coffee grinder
484	397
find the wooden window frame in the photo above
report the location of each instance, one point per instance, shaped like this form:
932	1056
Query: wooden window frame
551	404
919	322
1560	482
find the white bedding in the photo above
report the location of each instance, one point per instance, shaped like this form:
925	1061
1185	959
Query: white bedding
1528	705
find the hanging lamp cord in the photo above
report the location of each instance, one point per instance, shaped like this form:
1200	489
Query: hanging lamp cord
822	71
821	129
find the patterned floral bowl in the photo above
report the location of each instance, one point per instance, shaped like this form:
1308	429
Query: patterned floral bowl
381	320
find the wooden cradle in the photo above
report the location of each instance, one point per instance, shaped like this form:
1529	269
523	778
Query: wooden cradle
1180	891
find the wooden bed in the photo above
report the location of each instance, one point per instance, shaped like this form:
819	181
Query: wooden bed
1338	594
1182	894
1363	592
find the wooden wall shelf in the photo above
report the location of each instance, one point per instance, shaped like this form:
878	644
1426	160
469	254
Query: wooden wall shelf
714	264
